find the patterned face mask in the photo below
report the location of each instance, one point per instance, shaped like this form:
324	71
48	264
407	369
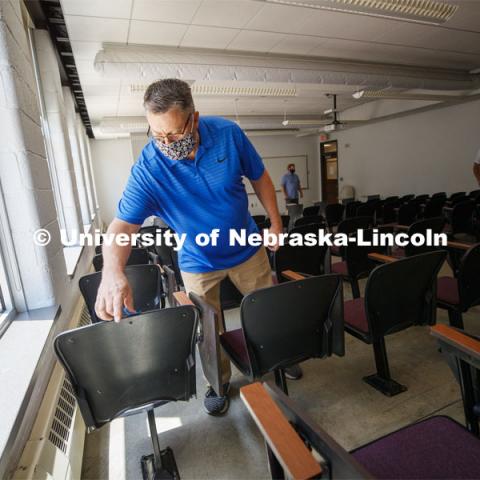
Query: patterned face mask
180	149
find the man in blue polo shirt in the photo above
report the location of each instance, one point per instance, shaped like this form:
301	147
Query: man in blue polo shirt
291	185
191	175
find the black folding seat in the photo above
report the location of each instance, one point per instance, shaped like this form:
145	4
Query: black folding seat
311	260
351	209
406	198
433	225
407	213
285	222
433	207
316	219
350	227
393	302
259	218
334	214
356	263
458	294
138	256
388	213
311	211
460	218
366	210
281	326
144	280
434	447
131	367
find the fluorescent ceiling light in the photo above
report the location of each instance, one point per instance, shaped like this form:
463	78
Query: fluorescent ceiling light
385	94
229	90
313	121
423	11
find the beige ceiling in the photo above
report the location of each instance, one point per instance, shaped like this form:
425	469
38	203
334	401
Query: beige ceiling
253	26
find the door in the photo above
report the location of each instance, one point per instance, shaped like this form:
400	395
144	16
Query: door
329	169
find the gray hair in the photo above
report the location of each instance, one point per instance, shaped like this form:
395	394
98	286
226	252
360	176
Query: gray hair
169	93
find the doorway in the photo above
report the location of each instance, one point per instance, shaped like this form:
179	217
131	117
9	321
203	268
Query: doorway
329	171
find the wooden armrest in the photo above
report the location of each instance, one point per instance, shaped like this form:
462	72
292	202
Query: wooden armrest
379	257
291	275
460	245
458	339
290	451
182	298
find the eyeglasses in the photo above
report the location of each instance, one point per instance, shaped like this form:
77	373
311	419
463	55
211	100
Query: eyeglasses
171	137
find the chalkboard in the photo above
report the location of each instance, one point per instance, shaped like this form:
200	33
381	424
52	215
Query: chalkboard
277	167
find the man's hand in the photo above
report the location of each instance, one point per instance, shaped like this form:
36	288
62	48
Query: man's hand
114	293
276	228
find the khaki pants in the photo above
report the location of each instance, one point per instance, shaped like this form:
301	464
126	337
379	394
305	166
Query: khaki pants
250	275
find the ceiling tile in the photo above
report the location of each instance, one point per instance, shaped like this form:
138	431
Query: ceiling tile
297	45
94	29
255	41
227	13
177	11
95	90
94	8
208	37
279	18
156	33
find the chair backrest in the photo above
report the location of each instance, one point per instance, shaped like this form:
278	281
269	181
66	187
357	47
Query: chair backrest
406	198
138	256
285	221
439	195
393	198
434	207
455	195
230	296
317	219
259	218
351	209
393	302
422	198
149	231
309	211
469	277
474	194
351	225
294	212
288	323
142	361
434	225
334	213
144	281
366	210
461	219
407	213
311	260
341	464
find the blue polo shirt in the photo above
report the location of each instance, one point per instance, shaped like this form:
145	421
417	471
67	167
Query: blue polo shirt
291	182
197	196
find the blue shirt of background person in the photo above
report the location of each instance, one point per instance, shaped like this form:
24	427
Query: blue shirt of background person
291	184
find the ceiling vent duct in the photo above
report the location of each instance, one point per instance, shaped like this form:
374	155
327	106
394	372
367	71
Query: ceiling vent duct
422	11
131	62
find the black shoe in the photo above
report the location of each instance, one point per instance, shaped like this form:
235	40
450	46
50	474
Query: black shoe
214	404
294	372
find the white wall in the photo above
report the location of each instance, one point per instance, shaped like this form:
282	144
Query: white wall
275	146
112	161
419	153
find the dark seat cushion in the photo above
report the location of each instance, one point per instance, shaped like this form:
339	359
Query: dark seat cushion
340	268
447	290
437	447
234	344
354	314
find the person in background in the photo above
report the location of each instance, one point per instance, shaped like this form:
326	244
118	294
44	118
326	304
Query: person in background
476	167
191	175
291	185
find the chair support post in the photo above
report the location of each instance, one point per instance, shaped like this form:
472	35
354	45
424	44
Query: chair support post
281	380
466	386
455	318
355	288
382	381
161	464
